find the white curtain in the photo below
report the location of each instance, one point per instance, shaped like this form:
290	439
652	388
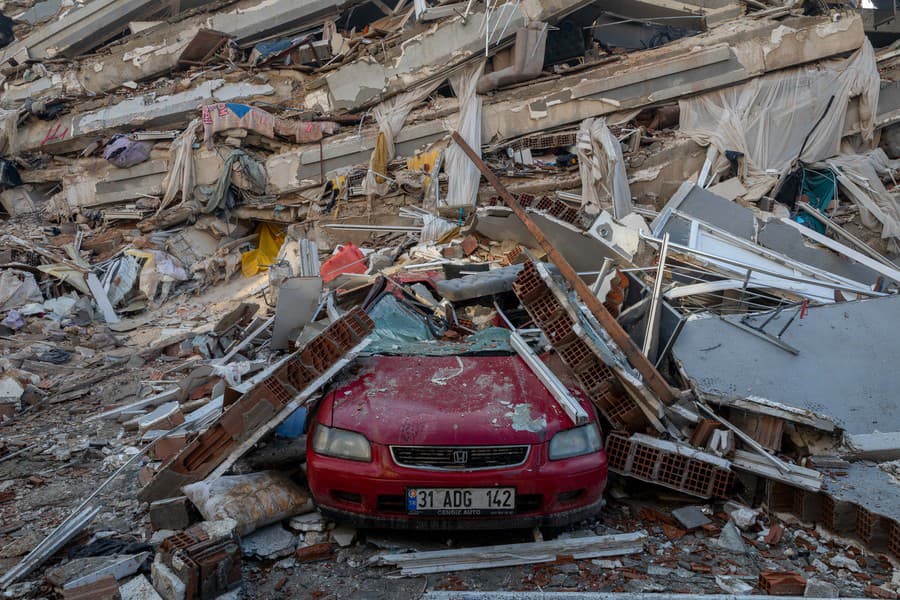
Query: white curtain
768	118
463	176
182	174
602	168
390	116
859	176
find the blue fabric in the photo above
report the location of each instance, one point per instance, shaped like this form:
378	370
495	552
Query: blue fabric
819	188
293	426
239	109
273	47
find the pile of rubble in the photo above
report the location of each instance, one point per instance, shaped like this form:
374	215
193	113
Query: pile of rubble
217	215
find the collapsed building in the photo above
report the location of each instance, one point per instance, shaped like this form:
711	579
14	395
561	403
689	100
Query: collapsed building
682	215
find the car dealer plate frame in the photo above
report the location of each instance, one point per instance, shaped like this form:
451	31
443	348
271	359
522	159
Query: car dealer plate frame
458	496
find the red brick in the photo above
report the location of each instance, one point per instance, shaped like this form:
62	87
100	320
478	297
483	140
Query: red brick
673	533
700	568
167	447
774	535
875	591
782	583
469	244
315	552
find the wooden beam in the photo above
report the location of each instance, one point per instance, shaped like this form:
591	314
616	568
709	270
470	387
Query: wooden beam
634	355
383	7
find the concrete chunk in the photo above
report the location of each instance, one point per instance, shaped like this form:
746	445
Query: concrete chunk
269	543
138	588
690	517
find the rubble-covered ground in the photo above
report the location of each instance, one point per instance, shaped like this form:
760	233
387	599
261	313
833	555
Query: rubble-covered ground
673	224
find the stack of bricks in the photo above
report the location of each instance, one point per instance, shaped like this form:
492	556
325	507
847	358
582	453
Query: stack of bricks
207	568
663	464
873	530
260	404
595	378
838	516
545	204
546	141
876	532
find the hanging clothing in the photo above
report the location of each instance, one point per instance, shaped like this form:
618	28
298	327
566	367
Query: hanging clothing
463	176
390	116
602	168
125	152
254	173
181	177
230	115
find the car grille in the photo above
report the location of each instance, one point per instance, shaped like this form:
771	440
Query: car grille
459	457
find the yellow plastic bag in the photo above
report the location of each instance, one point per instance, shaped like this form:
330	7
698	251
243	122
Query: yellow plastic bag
259	259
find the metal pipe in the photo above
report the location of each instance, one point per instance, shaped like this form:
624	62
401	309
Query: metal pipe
845	234
736	263
650	337
601	275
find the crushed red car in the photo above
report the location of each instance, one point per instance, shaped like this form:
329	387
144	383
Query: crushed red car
452	442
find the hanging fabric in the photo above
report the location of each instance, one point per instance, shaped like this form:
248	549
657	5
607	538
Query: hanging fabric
463	176
182	176
602	168
782	117
390	116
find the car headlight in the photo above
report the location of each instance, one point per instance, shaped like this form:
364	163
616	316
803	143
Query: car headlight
341	443
575	442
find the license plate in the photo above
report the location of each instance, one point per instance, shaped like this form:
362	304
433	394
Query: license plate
460	501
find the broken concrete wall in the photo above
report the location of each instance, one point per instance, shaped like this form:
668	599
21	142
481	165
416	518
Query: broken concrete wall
692	65
155	51
76	130
834	342
86	28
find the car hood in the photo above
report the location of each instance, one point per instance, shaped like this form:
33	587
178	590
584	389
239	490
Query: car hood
453	400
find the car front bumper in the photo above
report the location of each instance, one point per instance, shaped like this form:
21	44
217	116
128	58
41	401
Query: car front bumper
549	493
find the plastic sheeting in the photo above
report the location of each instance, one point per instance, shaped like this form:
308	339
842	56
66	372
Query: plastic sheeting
602	168
266	251
18	288
433	228
859	176
390	116
780	117
182	174
463	176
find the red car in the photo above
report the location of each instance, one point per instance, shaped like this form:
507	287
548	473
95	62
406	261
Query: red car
452	442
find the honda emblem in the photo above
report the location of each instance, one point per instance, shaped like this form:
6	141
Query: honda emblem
460	457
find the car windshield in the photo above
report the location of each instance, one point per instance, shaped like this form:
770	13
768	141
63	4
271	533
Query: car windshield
400	330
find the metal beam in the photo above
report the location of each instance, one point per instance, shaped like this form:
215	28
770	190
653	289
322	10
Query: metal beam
559	391
651	337
637	359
